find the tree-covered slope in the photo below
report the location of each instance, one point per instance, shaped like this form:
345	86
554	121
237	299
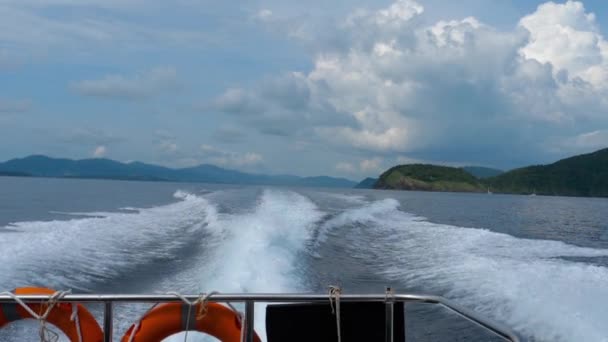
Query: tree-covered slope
429	178
482	172
582	175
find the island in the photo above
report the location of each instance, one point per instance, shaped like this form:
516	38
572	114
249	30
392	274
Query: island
584	175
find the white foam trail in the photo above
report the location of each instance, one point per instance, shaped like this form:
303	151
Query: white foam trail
82	214
350	198
73	253
521	282
262	245
256	251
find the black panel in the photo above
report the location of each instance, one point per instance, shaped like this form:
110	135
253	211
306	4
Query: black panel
314	322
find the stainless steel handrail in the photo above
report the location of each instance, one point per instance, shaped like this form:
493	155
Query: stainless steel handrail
250	299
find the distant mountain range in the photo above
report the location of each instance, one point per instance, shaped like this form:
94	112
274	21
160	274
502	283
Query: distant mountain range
582	175
43	166
367	183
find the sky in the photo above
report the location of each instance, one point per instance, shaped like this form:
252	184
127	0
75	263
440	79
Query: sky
342	88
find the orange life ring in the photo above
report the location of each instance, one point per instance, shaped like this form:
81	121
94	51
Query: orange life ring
171	318
60	316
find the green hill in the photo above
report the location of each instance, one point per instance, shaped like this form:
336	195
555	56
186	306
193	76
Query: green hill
583	175
482	172
426	177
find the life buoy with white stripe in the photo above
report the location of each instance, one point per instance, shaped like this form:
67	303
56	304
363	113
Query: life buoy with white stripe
168	319
60	316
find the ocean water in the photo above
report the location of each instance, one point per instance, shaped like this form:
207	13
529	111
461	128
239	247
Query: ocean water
536	264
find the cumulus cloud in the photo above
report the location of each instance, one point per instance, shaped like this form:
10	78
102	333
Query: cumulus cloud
263	15
214	155
371	165
100	151
452	90
168	146
145	84
583	142
166	142
345	167
568	38
285	105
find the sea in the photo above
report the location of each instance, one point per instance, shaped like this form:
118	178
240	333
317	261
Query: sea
536	264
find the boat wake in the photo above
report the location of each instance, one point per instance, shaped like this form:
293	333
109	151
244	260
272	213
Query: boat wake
543	289
531	285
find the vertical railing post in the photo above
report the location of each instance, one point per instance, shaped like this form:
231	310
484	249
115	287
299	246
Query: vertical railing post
389	315
107	322
405	302
249	317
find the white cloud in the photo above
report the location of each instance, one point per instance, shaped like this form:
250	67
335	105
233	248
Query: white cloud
236	100
37	28
406	160
168	147
568	38
584	142
166	143
399	12
214	155
371	165
345	167
138	86
263	15
363	167
100	151
453	90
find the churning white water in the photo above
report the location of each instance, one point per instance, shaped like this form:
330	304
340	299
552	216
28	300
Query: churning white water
549	290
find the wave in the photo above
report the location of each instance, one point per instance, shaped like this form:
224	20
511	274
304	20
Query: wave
528	284
249	251
257	250
535	286
80	252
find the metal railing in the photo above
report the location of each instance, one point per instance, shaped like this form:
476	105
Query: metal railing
250	299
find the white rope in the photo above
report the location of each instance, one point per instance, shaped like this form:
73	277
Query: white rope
241	318
74	318
202	299
136	326
46	334
389	294
334	295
